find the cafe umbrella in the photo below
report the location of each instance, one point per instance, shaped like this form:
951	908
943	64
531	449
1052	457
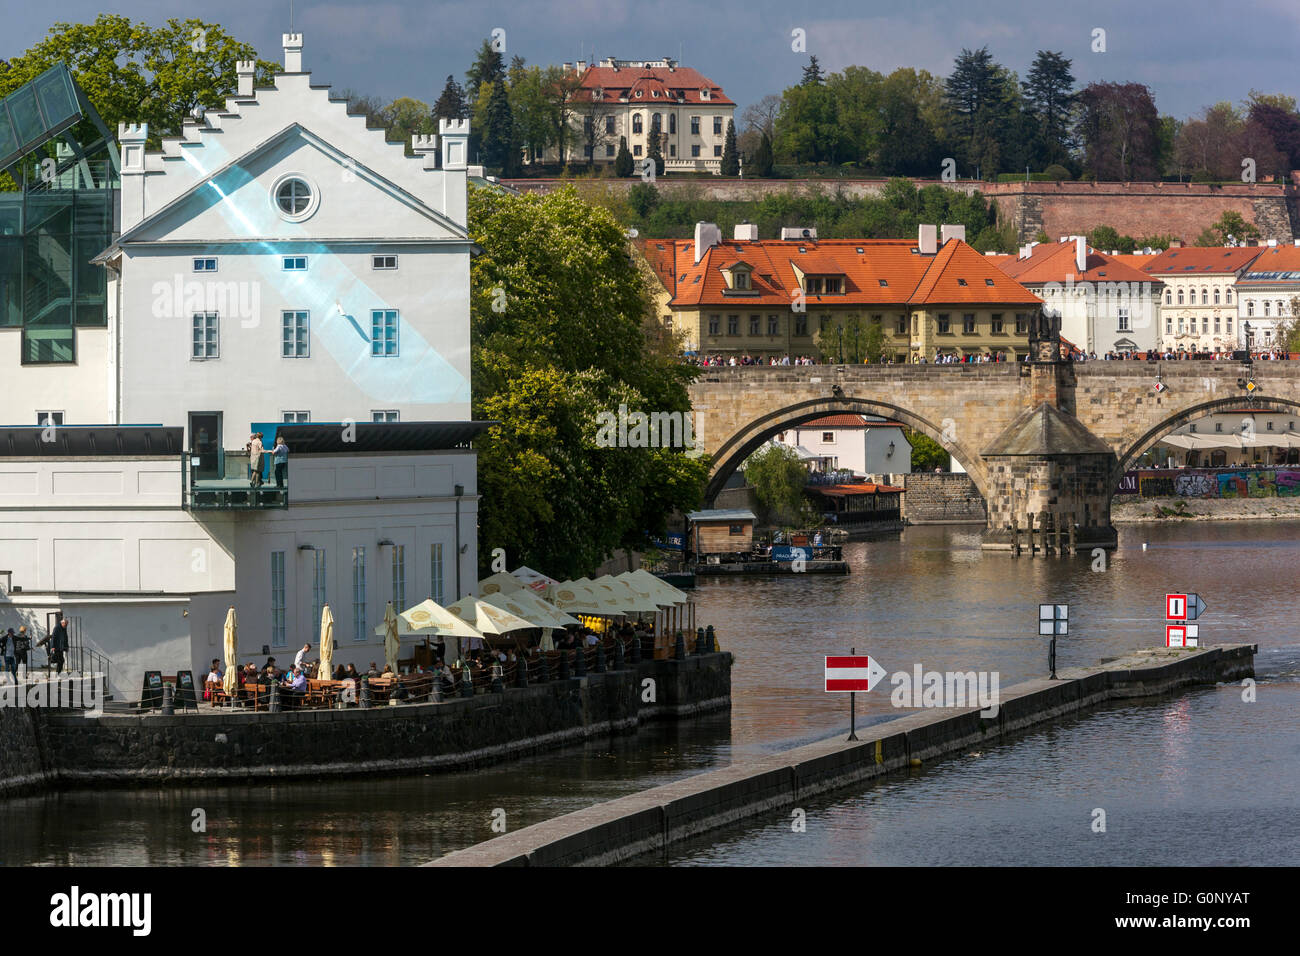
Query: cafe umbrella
430	617
391	646
231	679
326	643
531	607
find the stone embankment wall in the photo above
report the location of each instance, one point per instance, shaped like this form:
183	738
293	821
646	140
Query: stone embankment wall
21	766
935	498
651	821
79	751
1059	209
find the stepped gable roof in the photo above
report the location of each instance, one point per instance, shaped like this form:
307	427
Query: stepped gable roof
1202	260
1274	264
959	275
1054	262
679	83
1044	431
877	272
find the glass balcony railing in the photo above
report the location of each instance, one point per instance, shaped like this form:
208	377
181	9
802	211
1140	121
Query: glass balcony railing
220	481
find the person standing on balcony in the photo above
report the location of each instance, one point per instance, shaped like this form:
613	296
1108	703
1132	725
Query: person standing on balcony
280	455
254	449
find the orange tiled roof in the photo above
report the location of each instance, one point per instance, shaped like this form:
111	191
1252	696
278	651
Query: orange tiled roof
959	275
678	84
876	272
1198	260
847	421
1054	262
1272	259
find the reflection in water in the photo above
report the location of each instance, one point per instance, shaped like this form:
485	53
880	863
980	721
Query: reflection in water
932	598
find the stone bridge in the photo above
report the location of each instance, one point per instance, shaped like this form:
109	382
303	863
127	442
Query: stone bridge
1042	441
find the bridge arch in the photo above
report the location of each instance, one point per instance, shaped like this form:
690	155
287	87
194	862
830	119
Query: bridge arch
744	442
1134	448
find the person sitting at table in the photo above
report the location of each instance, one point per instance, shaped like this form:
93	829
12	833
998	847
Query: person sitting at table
294	687
387	671
248	675
374	671
352	673
213	680
340	672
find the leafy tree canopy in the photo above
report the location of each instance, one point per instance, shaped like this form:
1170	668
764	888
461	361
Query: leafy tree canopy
557	323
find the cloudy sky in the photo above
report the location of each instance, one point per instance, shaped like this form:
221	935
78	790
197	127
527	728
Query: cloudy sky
1191	53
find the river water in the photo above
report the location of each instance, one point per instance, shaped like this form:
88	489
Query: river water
1162	771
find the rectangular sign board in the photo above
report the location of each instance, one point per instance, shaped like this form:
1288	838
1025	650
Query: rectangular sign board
845	674
1181	635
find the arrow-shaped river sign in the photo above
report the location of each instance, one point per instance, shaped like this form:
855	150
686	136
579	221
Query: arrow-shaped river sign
845	674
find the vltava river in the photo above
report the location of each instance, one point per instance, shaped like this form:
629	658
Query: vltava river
1163	771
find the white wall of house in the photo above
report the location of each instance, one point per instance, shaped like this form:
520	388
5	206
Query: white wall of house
1097	321
1264	309
864	450
81	391
212	197
109	535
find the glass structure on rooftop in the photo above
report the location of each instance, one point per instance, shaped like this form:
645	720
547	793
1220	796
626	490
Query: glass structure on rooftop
60	217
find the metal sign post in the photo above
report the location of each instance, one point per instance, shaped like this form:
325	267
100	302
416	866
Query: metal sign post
850	675
1053	620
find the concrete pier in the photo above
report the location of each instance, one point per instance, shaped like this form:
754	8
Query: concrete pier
651	821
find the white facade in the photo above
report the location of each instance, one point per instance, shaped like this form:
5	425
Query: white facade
148	584
870	448
281	258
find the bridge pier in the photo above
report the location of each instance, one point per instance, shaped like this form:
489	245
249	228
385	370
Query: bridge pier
1047	463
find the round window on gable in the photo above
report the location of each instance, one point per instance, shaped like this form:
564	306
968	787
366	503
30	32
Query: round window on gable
294	197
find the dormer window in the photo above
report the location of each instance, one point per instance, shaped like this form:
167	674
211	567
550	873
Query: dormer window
704	94
742	280
737	274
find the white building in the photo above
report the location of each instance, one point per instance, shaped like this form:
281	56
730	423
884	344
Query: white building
1264	295
105	525
1198	312
1104	304
279	263
617	99
862	444
1242	437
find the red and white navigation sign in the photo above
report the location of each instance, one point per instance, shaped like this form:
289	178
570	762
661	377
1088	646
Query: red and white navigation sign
1183	607
1181	635
844	674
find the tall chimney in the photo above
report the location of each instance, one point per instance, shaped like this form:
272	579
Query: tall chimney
707	235
953	232
746	232
1081	254
926	239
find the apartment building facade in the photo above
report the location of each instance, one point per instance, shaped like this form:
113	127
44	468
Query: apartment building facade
801	296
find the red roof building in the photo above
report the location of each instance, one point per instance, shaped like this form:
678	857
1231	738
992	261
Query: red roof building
618	99
778	297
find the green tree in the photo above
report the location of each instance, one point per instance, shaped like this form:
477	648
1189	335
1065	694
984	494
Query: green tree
622	159
404	117
927	454
498	138
451	102
982	98
730	158
762	161
778	478
1288	330
1230	229
1050	101
569	342
135	73
1120	130
654	151
643	197
873	345
812	73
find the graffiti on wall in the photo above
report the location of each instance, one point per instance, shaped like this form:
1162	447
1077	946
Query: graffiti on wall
1212	483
